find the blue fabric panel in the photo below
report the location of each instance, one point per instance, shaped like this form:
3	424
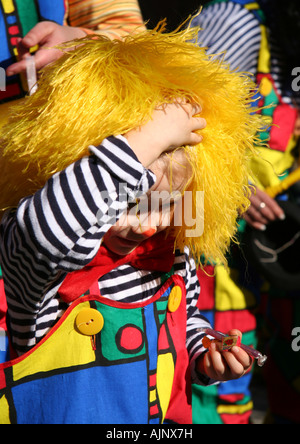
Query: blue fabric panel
52	10
99	395
236	386
4	49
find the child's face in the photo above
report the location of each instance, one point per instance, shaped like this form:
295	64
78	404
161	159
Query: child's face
154	212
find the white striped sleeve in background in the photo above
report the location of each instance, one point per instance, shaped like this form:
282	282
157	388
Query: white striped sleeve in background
232	28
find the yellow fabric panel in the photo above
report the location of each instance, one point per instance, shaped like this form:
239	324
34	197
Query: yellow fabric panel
235	409
228	295
165	376
271	165
4	409
58	351
152	396
264	60
8	6
253	5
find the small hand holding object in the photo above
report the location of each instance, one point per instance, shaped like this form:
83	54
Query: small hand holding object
225	359
45	35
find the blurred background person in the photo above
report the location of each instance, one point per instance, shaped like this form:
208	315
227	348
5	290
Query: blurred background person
38	25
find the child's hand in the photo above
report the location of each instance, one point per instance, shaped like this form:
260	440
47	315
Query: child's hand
225	365
176	125
171	126
46	35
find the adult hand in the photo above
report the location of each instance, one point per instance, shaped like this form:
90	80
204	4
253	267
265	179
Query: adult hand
46	35
263	210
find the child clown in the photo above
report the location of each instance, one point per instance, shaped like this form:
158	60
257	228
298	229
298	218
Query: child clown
102	310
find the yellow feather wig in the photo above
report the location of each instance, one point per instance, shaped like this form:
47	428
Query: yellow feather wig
104	88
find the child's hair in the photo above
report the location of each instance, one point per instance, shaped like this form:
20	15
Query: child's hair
104	88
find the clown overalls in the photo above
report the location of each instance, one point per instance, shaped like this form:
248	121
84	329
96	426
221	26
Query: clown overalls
230	300
105	362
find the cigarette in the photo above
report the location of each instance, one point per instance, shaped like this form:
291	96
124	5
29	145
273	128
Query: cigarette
31	75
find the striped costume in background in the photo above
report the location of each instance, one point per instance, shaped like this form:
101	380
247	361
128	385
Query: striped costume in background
230	300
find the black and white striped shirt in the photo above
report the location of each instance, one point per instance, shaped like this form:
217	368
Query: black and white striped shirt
57	230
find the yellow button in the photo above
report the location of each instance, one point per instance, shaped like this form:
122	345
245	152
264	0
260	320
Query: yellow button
89	322
175	299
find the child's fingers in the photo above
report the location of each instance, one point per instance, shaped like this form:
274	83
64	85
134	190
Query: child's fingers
226	365
216	362
242	357
195	138
235	366
195	108
198	123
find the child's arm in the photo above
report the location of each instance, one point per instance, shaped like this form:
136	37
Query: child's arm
195	321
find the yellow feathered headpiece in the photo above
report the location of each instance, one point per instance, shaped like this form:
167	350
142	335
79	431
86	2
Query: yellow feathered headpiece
105	88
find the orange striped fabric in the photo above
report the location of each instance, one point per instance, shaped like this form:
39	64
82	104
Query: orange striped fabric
113	18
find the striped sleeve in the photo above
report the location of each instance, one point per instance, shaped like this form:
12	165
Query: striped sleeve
113	18
60	228
230	27
195	321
